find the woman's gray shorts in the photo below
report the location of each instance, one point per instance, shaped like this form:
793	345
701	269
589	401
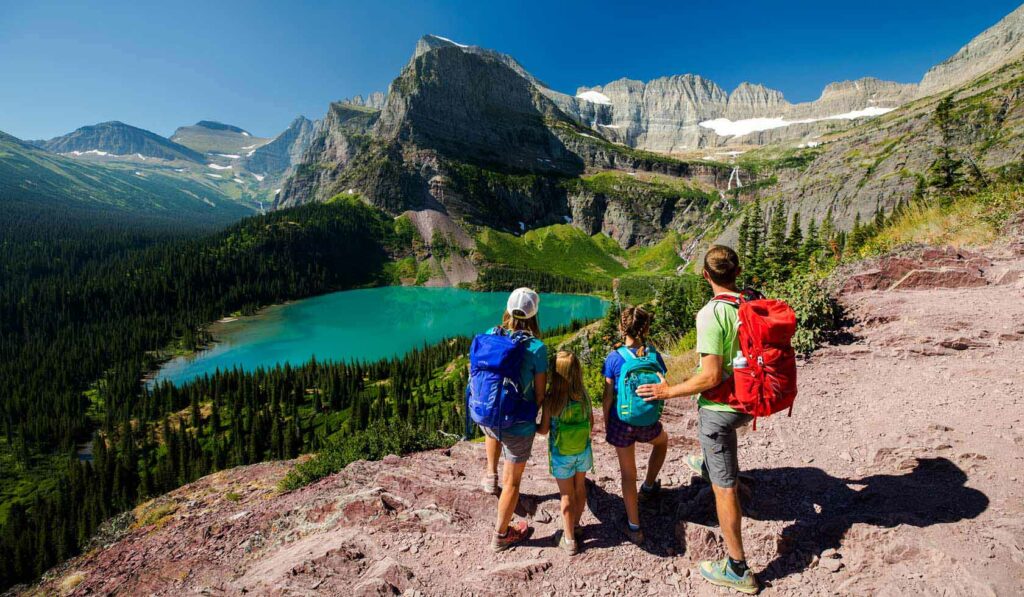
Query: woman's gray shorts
515	448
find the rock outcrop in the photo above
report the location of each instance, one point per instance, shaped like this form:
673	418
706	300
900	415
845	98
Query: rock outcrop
374	101
280	156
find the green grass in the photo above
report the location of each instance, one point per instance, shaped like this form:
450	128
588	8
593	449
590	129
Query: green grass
564	250
621	185
970	220
775	157
560	250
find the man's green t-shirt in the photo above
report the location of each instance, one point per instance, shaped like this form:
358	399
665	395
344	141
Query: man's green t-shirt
716	334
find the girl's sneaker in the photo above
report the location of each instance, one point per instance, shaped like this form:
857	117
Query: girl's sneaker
634	535
568	545
516	532
648	494
490	484
719	573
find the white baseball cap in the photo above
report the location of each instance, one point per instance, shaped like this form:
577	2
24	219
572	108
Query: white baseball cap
523	303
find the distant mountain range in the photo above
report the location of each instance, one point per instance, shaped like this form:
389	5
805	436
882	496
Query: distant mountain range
469	134
31	176
119	139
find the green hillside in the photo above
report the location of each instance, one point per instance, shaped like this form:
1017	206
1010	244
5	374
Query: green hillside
564	250
32	177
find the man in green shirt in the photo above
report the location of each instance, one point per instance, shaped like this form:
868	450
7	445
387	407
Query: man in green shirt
716	344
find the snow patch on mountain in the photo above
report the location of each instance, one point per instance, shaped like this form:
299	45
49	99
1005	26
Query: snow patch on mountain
218	167
738	128
451	41
595	97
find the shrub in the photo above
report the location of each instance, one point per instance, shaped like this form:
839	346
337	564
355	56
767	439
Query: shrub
817	312
375	442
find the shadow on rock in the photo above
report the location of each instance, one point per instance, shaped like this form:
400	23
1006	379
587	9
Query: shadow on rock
657	518
823	508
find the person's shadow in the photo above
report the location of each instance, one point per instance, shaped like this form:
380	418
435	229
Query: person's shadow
822	508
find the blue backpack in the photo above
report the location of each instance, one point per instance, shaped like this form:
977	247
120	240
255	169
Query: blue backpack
494	396
637	371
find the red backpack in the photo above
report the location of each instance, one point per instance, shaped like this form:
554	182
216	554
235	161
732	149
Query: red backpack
767	384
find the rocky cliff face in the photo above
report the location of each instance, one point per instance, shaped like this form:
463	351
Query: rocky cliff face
683	113
278	157
999	45
336	141
469	106
374	101
119	139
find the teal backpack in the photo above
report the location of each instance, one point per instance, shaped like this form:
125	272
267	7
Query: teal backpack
637	371
572	434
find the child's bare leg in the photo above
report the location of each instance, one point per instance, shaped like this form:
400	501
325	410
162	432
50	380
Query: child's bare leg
627	466
567	489
659	450
580	501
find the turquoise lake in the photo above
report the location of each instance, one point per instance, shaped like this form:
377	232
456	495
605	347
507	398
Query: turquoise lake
365	325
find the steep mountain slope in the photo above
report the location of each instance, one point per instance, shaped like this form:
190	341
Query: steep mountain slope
999	45
278	157
467	133
36	178
894	158
207	136
119	139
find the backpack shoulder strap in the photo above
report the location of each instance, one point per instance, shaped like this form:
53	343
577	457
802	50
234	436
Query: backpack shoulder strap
727	299
626	353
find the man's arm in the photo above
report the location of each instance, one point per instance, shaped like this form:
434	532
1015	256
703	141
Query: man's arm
710	375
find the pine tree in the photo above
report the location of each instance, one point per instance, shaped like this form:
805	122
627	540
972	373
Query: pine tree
777	248
795	240
811	244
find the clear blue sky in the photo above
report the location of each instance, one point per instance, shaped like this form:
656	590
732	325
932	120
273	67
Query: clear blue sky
159	65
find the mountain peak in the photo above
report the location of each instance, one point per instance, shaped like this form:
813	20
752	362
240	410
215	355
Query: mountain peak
117	138
220	126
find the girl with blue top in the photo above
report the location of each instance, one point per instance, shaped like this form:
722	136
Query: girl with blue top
567	420
635	325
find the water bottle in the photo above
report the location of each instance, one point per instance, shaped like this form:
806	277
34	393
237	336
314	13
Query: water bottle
740	362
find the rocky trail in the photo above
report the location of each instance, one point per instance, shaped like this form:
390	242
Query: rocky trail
899	473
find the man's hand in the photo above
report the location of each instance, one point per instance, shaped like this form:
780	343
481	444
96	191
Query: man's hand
651	392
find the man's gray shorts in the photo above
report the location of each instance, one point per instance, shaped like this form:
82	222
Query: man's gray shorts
718	442
515	448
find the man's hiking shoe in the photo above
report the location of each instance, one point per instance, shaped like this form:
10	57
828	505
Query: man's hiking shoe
569	546
516	533
490	484
717	572
696	464
649	493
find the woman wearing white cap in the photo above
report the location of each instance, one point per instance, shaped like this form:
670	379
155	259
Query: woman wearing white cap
515	443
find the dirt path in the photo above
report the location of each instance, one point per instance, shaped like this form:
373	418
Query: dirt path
899	473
